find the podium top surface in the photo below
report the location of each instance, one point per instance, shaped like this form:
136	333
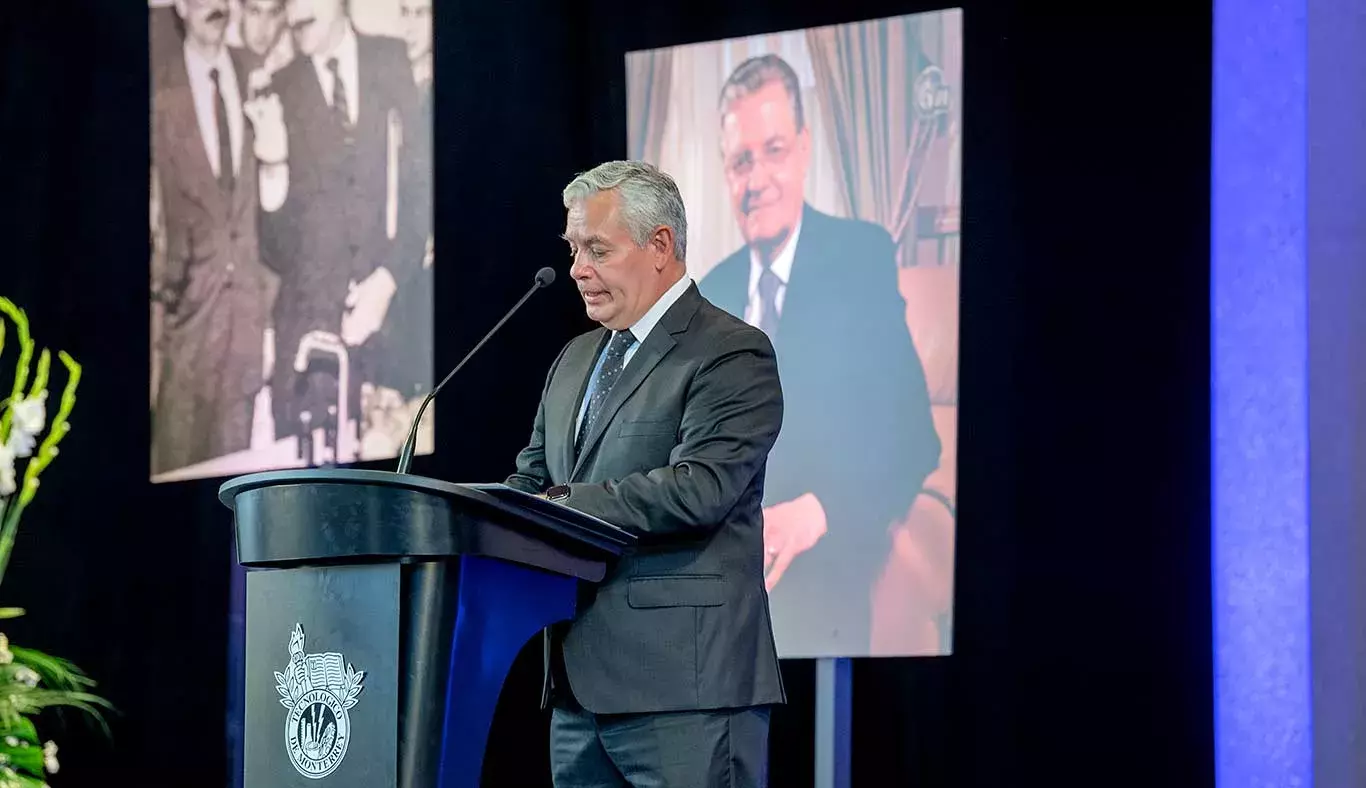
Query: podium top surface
375	515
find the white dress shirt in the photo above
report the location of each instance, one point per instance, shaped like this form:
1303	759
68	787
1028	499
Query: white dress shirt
782	268
348	66
641	330
205	102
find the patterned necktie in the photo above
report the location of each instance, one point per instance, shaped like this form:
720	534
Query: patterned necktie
339	105
220	112
769	284
608	374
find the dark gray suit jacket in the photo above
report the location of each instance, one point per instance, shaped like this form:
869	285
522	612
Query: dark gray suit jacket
678	459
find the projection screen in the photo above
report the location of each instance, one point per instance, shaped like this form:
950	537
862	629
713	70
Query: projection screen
291	232
820	170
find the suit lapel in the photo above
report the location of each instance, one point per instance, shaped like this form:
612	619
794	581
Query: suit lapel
200	185
651	352
563	422
245	195
311	107
367	98
729	291
656	346
805	285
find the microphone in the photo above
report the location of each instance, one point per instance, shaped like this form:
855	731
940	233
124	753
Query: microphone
544	278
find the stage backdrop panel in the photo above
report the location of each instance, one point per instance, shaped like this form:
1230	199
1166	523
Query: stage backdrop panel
821	171
291	232
1288	393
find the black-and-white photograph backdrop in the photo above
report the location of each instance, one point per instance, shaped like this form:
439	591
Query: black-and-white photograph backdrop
291	228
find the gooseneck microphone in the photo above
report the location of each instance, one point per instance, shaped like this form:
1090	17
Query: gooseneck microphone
544	278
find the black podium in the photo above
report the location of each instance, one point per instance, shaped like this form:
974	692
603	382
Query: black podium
383	613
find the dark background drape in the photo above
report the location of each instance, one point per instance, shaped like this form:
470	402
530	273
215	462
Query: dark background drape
1083	616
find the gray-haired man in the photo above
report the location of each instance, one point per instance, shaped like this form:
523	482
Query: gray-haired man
659	422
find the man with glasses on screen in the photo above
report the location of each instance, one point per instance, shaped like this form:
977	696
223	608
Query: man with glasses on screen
858	439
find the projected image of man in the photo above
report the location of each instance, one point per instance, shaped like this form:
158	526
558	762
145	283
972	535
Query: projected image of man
338	238
206	138
408	327
263	33
858	439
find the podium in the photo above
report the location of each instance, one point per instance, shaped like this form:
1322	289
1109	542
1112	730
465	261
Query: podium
383	613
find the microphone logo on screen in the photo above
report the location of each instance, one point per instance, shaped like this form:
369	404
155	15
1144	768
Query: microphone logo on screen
318	690
930	92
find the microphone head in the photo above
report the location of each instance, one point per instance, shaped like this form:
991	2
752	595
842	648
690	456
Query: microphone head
545	277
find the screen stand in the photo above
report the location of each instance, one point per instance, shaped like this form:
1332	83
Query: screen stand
834	696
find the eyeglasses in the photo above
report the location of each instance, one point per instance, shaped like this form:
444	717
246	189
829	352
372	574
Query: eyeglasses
774	154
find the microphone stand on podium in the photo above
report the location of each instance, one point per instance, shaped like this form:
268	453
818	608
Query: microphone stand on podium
544	278
384	610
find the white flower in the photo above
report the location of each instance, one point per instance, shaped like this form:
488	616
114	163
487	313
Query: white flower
6	657
30	414
27	417
50	757
20	444
7	480
26	675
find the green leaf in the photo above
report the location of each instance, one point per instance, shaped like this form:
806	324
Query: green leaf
18	700
13	779
25	757
22	729
54	672
11	612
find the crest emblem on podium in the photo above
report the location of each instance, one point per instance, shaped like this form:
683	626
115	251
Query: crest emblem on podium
318	690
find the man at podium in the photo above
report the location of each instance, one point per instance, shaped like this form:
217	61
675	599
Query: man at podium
659	422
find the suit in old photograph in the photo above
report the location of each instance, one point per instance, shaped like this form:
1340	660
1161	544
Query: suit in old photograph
402	349
677	637
216	293
332	229
858	431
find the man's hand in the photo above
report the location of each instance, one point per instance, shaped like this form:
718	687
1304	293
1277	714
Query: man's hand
790	529
268	122
367	303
